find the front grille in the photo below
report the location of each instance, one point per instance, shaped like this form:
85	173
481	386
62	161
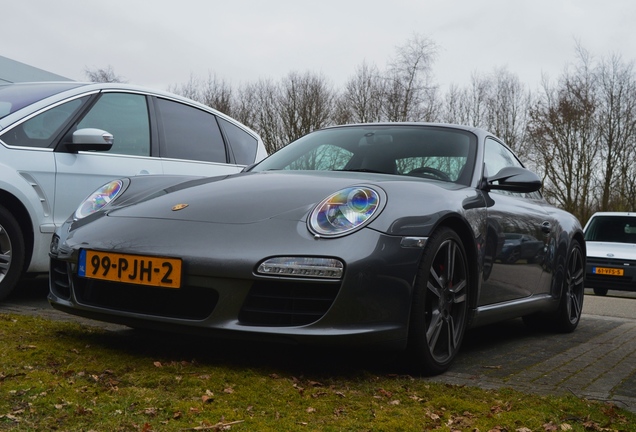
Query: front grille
59	280
618	282
287	303
626	280
193	303
610	262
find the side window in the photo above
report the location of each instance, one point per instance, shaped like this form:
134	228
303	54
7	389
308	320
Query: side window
497	157
189	133
125	115
41	130
243	144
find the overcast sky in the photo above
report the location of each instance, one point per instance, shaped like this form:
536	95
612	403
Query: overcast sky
162	43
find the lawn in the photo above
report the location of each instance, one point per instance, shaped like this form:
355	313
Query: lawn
67	376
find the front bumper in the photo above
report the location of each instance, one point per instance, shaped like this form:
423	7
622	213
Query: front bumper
594	279
223	295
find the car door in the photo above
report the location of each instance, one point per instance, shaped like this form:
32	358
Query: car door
126	116
191	141
30	160
513	217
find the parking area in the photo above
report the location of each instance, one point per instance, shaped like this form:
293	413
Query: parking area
597	361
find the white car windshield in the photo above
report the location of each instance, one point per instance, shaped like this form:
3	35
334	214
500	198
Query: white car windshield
612	228
16	96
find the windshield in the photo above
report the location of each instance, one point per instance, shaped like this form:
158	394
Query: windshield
16	96
421	151
615	228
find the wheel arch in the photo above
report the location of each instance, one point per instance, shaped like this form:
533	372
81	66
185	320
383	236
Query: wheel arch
467	236
21	214
565	246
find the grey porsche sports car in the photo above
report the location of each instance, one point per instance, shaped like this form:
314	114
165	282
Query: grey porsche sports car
368	235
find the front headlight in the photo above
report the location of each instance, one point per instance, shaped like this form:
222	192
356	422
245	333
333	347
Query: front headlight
345	211
99	199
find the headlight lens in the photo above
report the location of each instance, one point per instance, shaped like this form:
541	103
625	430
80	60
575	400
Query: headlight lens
345	211
99	199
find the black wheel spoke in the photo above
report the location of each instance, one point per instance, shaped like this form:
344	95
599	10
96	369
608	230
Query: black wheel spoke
12	252
441	301
575	307
435	288
446	301
434	330
5	253
573	286
450	254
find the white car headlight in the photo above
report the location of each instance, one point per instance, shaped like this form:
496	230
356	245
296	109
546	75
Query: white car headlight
345	211
99	199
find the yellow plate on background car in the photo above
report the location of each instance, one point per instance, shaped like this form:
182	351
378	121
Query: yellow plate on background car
132	269
608	271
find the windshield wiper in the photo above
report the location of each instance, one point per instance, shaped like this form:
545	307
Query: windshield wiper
363	170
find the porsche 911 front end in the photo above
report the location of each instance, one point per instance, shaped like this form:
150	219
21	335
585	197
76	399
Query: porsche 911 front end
252	273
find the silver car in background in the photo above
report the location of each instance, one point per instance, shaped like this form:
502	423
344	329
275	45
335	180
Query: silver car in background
59	141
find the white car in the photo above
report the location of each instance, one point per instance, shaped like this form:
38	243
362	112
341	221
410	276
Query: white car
59	141
611	252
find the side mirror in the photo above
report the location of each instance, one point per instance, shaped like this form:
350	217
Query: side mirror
91	139
514	179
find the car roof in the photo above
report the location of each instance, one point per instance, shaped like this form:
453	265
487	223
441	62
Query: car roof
614	214
77	87
475	130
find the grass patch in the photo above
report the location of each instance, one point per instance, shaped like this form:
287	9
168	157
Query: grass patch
65	376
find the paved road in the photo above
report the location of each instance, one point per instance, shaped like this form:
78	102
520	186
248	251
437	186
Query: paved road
597	361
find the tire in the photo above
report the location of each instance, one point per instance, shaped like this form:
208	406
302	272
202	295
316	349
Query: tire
439	312
513	257
566	318
572	291
600	291
11	252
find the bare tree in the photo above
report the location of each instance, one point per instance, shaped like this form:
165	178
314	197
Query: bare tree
257	107
361	101
497	102
190	90
213	92
217	93
468	106
562	128
305	104
410	94
579	134
106	75
507	109
617	128
455	108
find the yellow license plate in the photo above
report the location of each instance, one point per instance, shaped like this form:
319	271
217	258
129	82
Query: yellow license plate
608	271
132	269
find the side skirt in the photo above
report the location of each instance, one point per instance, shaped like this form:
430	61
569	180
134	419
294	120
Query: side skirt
492	313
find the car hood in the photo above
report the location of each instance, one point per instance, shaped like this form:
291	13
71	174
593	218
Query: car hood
252	197
618	250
